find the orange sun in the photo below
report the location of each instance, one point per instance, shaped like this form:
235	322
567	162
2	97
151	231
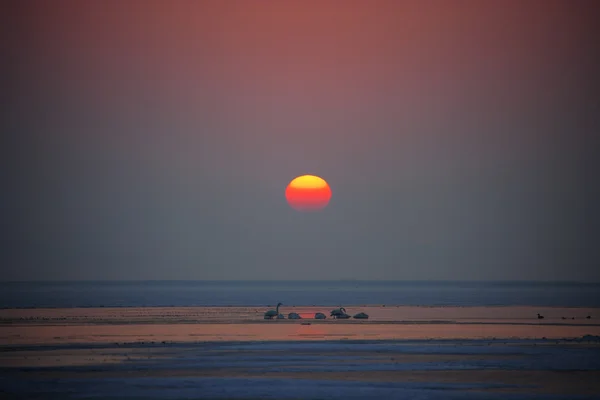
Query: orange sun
308	193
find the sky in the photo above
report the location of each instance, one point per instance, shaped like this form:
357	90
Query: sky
155	140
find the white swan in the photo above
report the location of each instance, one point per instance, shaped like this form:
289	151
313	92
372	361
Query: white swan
337	312
273	313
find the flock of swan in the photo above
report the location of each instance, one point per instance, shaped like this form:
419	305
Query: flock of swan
338	313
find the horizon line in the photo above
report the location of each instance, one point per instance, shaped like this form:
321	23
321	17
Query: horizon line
307	280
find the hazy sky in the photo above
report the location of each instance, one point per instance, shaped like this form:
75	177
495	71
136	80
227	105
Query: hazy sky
154	140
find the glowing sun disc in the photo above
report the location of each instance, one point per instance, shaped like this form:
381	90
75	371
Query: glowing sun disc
308	193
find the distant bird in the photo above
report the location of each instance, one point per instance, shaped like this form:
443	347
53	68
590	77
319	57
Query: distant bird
320	315
588	317
280	316
273	313
294	315
361	315
540	316
563	318
337	312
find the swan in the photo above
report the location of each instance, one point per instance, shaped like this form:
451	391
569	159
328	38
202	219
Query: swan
540	316
337	312
273	313
320	315
294	315
361	315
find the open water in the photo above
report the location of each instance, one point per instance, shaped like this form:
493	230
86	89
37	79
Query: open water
299	293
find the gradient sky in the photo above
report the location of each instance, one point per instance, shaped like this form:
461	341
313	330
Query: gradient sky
155	140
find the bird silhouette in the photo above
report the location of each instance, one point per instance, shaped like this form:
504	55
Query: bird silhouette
273	313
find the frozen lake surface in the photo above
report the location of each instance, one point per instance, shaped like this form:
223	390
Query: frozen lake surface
427	369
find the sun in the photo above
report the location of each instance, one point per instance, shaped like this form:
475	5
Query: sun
308	193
